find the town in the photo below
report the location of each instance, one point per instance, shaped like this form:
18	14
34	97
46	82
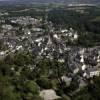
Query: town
35	47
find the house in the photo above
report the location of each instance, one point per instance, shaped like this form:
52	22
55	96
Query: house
94	73
76	70
91	72
7	27
37	29
64	31
82	59
75	36
66	79
83	67
2	53
61	60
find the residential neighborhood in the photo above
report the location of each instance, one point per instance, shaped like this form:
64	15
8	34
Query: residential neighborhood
50	52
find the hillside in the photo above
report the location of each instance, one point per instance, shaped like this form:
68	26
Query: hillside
49	1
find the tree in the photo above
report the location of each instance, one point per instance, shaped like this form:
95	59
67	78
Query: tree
7	90
32	87
44	83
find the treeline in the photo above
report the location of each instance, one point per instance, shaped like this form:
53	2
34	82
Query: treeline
72	18
22	77
90	92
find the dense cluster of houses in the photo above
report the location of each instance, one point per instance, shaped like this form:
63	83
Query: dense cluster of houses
50	43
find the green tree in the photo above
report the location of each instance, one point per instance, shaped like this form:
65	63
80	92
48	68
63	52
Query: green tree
32	87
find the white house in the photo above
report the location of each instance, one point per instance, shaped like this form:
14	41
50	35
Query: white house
94	73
